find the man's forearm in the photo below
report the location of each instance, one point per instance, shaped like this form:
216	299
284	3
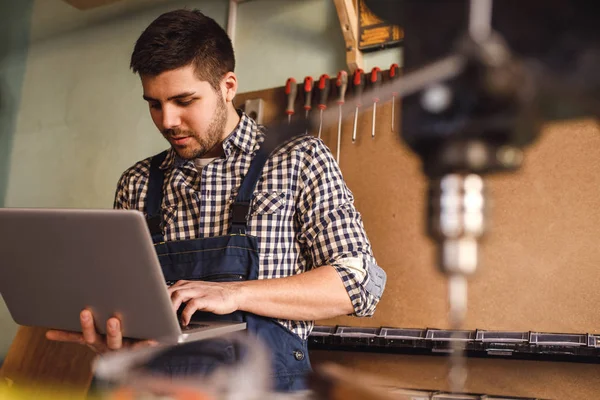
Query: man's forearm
313	295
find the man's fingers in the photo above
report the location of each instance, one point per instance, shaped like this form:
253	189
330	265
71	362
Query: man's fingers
89	336
87	327
181	296
114	336
176	285
65	336
191	308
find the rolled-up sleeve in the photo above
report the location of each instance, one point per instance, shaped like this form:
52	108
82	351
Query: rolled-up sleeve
332	230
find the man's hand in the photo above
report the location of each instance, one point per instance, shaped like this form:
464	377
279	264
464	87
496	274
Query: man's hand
214	297
98	343
313	295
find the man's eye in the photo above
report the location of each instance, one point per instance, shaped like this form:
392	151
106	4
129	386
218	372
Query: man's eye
185	103
155	106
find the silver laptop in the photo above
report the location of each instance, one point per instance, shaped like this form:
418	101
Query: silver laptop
55	262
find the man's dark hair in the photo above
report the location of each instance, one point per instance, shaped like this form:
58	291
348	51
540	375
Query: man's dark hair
182	37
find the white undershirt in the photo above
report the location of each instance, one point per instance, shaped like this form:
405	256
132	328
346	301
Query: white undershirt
202	162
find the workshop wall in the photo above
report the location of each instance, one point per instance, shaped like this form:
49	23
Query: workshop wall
539	259
80	120
14	30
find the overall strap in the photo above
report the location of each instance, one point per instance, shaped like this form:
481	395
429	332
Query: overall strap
154	195
273	139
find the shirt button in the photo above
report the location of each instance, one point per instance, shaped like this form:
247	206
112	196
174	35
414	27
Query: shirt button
298	355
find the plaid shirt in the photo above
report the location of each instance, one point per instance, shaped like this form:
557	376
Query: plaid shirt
302	212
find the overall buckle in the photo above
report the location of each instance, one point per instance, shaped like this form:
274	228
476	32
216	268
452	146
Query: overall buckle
239	216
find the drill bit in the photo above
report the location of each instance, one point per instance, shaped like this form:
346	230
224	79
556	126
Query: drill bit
457	221
457	299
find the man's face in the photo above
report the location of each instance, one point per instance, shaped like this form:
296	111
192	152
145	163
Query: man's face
187	111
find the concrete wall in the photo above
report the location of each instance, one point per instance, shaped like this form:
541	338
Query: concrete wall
76	119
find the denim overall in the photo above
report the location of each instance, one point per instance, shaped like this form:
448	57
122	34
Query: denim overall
233	257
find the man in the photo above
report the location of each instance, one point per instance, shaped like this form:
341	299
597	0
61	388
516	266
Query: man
289	247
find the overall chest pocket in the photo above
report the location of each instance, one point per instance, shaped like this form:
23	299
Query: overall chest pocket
270	203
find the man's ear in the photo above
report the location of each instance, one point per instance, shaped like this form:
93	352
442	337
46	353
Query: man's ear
229	86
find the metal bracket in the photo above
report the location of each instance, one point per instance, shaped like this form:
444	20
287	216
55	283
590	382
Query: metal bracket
255	109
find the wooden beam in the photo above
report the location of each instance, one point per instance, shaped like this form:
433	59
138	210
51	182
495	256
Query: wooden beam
349	23
89	4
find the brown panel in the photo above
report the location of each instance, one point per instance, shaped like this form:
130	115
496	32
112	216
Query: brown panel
540	260
535	379
50	367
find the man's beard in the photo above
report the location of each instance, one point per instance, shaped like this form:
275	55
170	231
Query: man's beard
202	144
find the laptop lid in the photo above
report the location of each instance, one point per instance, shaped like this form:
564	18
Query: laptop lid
55	262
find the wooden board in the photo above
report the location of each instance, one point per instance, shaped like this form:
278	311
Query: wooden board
375	33
540	262
46	367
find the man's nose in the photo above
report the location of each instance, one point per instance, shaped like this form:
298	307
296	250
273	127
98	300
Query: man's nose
170	118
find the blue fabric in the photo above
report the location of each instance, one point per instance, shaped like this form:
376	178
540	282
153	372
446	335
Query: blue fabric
232	257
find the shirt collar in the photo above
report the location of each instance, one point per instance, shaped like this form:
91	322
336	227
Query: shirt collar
247	137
